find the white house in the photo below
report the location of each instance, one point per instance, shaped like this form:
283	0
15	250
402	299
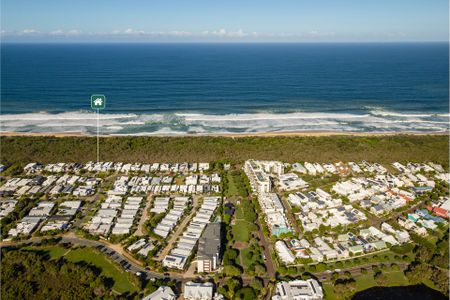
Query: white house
298	290
162	293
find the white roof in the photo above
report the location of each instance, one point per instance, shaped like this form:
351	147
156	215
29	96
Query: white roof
162	293
200	291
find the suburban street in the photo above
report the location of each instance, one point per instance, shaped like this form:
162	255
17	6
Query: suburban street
144	217
116	256
179	229
102	246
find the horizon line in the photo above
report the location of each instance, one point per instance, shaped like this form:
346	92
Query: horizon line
225	42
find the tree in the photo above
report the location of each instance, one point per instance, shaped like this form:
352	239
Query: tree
232	285
260	269
14	170
246	293
231	270
440	279
395	267
424	254
312	268
229	257
417	272
380	278
335	276
41	278
292	270
344	288
257	284
402	249
282	270
321	267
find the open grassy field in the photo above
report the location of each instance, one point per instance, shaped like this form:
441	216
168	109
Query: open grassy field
54	252
394	278
383	149
122	282
109	269
242	230
245	217
236	186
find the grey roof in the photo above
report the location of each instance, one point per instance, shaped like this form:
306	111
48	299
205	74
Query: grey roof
210	242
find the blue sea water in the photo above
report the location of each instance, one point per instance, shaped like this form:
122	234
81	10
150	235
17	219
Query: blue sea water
225	88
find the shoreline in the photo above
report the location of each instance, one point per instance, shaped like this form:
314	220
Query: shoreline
229	135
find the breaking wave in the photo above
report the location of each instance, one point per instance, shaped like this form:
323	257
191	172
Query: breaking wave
372	120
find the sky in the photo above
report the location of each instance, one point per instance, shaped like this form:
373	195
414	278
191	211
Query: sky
224	21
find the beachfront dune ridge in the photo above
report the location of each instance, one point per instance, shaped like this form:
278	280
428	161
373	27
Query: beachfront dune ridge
380	148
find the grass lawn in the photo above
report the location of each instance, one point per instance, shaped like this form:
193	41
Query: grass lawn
55	252
430	284
386	257
394	278
238	213
122	282
236	185
242	230
328	291
232	188
363	282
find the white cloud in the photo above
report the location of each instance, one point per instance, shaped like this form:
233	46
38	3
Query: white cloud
60	32
128	31
29	31
221	34
180	33
226	33
57	32
395	34
318	34
133	31
74	32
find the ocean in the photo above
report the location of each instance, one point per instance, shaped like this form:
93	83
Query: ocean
175	89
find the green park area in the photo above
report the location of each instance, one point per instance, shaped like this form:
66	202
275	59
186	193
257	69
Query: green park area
366	281
426	264
236	187
122	281
242	230
245	218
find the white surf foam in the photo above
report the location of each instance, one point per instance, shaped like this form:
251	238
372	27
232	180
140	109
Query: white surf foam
182	123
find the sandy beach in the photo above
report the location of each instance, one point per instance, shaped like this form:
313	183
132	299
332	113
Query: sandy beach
231	135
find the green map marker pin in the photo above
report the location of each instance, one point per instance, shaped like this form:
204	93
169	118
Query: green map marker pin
98	101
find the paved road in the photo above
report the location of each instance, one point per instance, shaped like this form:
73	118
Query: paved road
180	228
270	269
88	207
268	261
112	254
115	256
131	266
144	217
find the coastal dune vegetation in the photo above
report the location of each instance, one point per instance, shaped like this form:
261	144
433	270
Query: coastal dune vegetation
377	148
